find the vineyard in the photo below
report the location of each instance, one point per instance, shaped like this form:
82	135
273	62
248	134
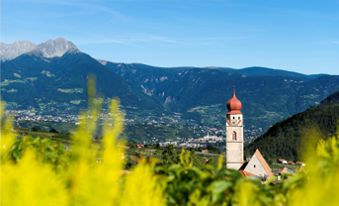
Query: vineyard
40	171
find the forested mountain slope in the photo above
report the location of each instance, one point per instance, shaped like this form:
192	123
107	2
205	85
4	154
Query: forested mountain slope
285	139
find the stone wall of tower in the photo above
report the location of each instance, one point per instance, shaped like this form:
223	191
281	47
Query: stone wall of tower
234	133
234	148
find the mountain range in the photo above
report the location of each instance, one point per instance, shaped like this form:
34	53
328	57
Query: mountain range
49	49
52	77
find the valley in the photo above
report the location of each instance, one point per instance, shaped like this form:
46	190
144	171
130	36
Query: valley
51	89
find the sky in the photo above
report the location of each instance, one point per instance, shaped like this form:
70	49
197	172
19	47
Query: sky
295	35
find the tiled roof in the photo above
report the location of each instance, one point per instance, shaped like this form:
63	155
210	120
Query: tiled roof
246	174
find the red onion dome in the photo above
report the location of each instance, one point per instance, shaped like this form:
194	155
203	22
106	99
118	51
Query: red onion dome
234	104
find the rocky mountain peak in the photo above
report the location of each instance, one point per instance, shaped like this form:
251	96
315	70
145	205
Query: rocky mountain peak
49	49
56	48
12	50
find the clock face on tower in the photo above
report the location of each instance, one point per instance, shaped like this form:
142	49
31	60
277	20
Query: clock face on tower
234	121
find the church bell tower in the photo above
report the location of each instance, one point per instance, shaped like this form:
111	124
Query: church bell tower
234	134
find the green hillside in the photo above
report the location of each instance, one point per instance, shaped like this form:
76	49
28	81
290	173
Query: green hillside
285	139
193	96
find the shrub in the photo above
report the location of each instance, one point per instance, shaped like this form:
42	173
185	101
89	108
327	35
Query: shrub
38	171
93	174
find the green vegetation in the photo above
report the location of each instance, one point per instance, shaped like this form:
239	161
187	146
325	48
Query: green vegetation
287	138
37	171
198	94
145	132
45	173
71	90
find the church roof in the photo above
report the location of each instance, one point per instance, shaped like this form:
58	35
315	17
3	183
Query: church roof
247	170
263	162
246	173
234	105
243	166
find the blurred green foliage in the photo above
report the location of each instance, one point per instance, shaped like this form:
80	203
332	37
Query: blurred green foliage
41	171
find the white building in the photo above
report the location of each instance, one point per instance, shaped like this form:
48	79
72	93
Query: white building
234	134
256	166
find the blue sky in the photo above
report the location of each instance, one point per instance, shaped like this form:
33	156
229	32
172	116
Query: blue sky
297	35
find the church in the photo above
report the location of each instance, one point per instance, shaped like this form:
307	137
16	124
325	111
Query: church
256	166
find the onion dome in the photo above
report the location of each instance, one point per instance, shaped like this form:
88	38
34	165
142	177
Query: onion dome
234	105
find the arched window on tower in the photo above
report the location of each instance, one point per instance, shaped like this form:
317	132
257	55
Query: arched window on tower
234	136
